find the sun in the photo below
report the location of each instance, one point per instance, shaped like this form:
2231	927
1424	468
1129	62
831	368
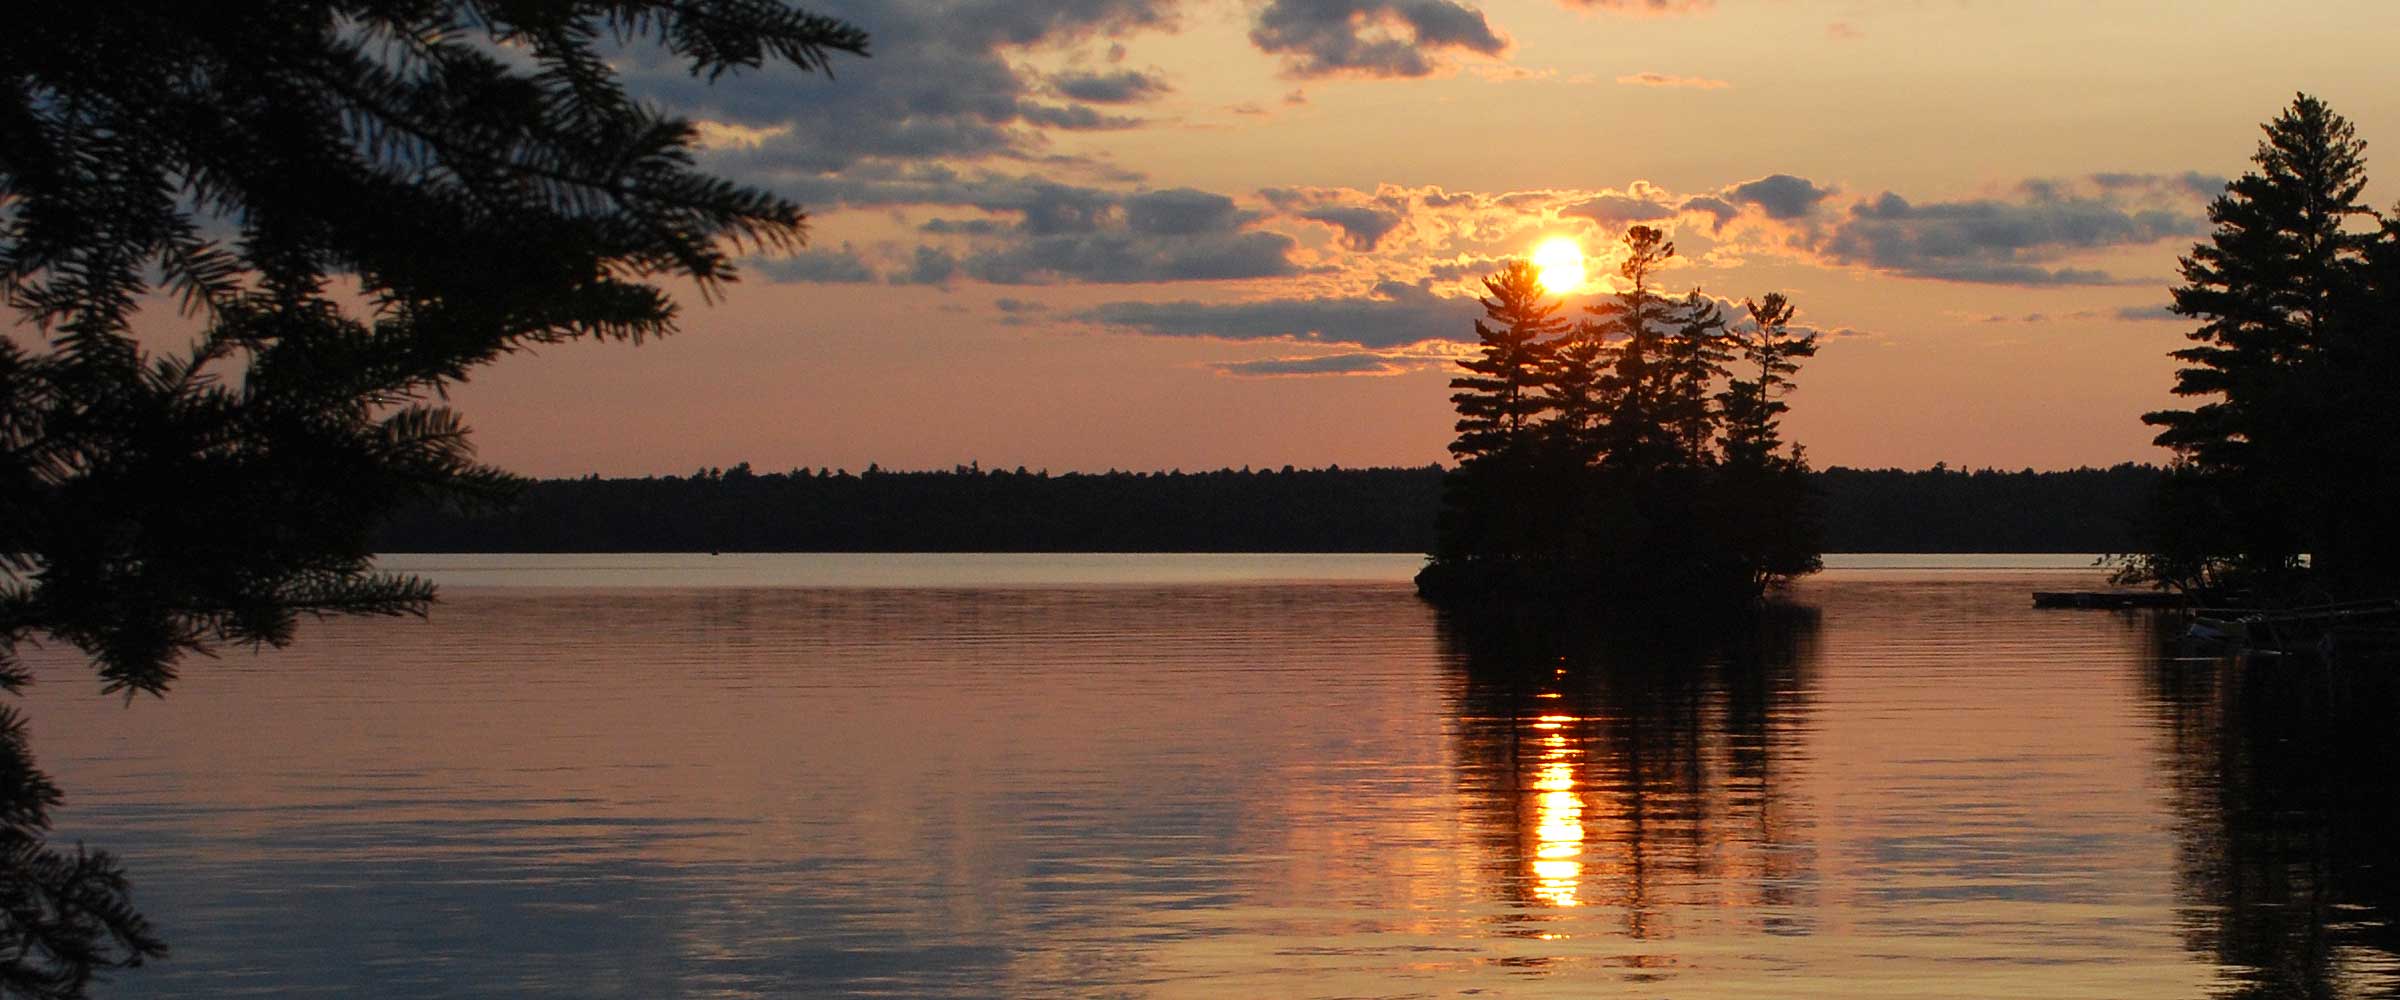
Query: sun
1560	261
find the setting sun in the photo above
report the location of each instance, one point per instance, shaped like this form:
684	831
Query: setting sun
1561	263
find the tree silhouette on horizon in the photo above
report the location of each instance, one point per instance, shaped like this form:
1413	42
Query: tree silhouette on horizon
2290	440
1754	408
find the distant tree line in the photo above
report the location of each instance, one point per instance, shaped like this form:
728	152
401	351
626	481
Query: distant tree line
2287	462
1954	510
971	509
1633	453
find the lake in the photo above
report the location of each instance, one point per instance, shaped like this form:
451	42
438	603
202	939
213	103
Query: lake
1233	776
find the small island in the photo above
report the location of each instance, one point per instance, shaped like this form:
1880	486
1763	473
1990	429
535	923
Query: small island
1632	458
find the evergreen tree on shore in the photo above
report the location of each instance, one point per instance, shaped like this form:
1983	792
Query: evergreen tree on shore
2290	433
1773	516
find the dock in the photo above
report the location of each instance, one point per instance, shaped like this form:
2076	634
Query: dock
2109	599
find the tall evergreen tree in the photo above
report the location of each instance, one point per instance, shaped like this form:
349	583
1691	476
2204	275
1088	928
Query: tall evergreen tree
355	203
1694	358
1771	511
1489	502
2270	288
1578	399
1501	397
1753	407
2366	362
1636	322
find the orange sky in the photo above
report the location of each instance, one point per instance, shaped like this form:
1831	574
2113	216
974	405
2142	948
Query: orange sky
1183	233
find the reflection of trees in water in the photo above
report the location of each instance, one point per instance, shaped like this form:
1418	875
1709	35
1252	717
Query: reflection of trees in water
1640	773
2288	854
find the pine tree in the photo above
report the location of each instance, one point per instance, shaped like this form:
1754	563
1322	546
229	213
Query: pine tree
356	203
1577	398
2270	288
2365	359
1770	512
1694	358
1753	406
1636	323
1499	402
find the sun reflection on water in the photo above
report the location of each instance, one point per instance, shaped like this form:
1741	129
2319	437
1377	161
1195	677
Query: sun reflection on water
1558	826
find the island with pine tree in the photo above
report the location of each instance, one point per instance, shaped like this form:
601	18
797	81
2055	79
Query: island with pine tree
1633	456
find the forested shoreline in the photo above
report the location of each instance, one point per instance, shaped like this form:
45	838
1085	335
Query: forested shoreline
970	509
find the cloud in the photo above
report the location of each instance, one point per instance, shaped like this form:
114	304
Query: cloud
1047	205
1664	80
1465	266
963	227
1717	209
2119	314
1393	315
726	135
2028	233
2190	183
1363	219
1113	87
1068	234
1050	208
1378	38
1615	211
1327	364
841	266
2010	240
930	266
1026	230
1042	231
1780	196
2034	232
1362	227
1019	312
1073	117
1121	258
944	82
1843	31
1181	212
1175	235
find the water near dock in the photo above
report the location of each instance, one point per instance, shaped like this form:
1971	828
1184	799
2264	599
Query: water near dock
1229	776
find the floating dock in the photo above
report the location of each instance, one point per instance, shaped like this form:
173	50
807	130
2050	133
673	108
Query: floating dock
2109	599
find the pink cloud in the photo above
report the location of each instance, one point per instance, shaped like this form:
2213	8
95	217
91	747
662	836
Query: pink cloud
1667	80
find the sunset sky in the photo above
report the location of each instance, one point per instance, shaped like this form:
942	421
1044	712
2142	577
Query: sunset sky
1163	234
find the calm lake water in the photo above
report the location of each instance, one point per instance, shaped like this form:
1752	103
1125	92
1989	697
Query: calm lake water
1233	776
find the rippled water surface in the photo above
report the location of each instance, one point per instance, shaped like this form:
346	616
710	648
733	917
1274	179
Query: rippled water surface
1175	776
